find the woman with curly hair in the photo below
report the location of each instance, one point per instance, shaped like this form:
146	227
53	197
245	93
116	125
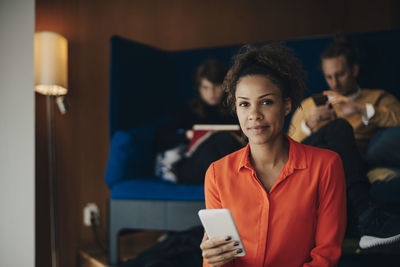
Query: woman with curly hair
288	199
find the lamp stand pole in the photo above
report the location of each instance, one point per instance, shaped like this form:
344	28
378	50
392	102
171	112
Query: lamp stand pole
52	179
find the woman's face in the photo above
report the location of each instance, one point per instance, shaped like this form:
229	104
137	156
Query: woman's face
210	93
260	108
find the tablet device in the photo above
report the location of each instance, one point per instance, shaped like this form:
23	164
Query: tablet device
219	222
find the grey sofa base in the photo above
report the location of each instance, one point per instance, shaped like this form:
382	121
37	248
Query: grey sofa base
149	215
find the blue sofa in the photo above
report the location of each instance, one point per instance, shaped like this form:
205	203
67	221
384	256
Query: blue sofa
148	84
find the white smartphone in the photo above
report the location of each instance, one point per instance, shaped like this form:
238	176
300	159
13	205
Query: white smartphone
219	222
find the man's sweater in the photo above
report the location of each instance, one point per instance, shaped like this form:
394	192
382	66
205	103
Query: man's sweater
387	114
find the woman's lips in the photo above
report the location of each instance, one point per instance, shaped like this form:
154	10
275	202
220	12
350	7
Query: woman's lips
257	129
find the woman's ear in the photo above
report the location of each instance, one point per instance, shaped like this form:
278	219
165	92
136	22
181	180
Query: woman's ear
288	106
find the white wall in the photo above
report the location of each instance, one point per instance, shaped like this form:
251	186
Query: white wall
17	142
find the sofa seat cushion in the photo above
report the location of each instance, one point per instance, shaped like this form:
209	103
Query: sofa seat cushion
154	189
131	153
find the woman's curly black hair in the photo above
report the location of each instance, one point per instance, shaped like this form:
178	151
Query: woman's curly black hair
276	62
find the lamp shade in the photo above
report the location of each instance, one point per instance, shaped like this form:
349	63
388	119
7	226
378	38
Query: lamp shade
51	63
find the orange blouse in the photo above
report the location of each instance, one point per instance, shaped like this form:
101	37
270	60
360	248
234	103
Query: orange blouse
300	222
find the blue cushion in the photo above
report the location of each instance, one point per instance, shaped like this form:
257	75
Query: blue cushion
131	154
384	148
152	189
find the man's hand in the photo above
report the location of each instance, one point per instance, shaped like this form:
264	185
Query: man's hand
318	114
347	106
219	250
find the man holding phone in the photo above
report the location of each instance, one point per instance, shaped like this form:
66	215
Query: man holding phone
344	119
366	110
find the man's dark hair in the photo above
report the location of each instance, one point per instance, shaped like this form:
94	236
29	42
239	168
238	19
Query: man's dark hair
341	46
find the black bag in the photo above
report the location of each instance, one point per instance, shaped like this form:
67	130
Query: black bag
178	249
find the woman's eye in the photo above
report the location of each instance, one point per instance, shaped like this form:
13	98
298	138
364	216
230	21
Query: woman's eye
243	104
267	102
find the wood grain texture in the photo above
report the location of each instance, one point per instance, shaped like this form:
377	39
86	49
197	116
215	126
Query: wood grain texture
82	140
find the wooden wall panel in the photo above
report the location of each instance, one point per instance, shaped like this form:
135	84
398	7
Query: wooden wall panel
82	134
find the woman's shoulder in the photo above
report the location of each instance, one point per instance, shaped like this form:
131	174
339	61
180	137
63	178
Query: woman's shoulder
221	171
231	160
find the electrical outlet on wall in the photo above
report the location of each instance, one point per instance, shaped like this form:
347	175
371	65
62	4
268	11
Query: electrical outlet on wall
91	213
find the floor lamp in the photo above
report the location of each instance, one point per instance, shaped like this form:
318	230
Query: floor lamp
51	76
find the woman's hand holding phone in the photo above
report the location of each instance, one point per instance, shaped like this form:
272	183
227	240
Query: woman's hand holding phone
219	250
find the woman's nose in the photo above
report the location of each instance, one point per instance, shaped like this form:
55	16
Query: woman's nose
216	91
254	114
213	91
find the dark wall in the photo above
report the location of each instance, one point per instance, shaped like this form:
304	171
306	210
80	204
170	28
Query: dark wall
82	134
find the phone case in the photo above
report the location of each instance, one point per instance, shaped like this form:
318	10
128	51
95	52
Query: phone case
219	222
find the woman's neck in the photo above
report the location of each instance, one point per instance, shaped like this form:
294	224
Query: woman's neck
270	154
